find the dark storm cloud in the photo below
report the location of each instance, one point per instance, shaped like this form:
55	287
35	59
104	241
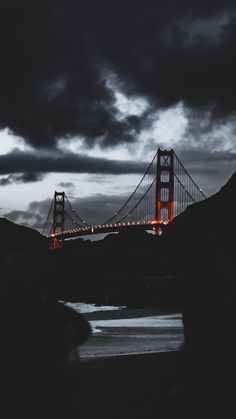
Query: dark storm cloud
33	164
28	177
56	56
5	181
22	178
206	157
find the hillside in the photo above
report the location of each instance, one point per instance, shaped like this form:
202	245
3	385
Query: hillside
203	236
213	218
17	239
202	240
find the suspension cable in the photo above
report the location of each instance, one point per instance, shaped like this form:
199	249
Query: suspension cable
74	222
77	215
135	206
185	189
131	196
47	217
189	175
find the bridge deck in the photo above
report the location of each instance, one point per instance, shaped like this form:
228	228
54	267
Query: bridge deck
109	228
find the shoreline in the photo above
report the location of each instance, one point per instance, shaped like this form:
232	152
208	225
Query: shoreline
129	312
132	332
84	359
128	385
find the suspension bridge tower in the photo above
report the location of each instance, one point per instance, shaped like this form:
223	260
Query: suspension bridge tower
164	187
58	218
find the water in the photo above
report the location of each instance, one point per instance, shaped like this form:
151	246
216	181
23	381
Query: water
165	321
121	331
90	308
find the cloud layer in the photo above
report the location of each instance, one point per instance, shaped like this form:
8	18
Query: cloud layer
34	164
57	57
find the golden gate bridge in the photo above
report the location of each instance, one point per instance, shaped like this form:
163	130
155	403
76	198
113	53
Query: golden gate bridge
164	191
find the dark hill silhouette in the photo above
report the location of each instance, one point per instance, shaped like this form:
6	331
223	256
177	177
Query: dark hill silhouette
18	238
208	220
202	240
203	236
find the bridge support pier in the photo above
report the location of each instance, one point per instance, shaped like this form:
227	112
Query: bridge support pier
164	187
58	219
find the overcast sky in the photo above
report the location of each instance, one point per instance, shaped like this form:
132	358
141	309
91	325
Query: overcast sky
90	88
